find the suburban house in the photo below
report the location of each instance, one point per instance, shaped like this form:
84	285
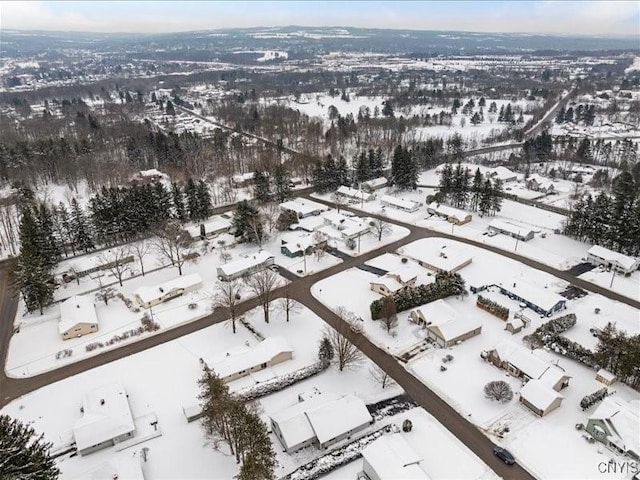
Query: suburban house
86	265
125	467
522	363
302	245
308	224
443	325
374	184
244	180
540	184
539	397
598	255
450	214
322	420
616	424
245	266
516	231
537	299
447	260
390	457
400	203
271	351
503	174
393	282
606	377
106	419
148	297
210	228
303	208
77	317
147	177
354	195
340	226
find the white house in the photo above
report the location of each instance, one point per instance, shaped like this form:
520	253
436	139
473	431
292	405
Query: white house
322	420
503	174
245	266
343	227
210	228
271	351
374	184
443	325
390	457
598	255
448	260
354	195
616	423
520	232
77	317
303	208
540	184
106	419
540	300
243	180
450	214
539	397
148	297
400	203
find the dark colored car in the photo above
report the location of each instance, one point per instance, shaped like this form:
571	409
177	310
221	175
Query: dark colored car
504	455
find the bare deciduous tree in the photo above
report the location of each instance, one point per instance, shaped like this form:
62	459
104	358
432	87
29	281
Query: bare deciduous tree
227	296
347	354
287	304
140	250
389	314
498	390
114	260
380	227
270	213
171	242
339	201
319	244
381	377
262	285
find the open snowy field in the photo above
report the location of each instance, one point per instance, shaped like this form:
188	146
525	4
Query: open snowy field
461	385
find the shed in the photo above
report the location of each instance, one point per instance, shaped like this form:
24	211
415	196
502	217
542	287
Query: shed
606	377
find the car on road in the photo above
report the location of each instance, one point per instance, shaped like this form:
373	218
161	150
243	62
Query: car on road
504	455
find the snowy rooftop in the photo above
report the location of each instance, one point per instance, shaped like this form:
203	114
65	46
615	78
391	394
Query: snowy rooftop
128	468
335	418
353	193
303	207
614	257
376	182
510	227
245	263
106	415
216	224
541	297
391	283
392	458
405	273
538	394
456	213
503	173
309	224
399	202
447	260
523	359
606	374
437	312
148	294
75	310
151	173
251	357
624	417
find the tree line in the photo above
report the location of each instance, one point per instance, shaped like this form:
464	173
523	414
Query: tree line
459	189
611	221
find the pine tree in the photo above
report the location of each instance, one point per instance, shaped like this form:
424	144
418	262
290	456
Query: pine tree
247	223
180	212
342	172
205	207
192	204
476	189
261	190
460	186
81	236
24	454
496	196
47	244
282	184
375	162
446	182
485	198
363	167
560	116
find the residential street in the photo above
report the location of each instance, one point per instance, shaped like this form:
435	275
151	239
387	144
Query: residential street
473	438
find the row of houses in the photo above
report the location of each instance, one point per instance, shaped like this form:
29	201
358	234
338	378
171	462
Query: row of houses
450	214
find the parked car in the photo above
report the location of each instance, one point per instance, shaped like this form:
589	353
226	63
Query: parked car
504	455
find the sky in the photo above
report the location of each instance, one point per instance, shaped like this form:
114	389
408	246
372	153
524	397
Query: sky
544	16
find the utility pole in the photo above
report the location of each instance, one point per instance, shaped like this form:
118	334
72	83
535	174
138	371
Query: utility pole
304	258
517	240
613	275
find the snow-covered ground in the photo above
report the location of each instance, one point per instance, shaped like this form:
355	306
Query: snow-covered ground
461	385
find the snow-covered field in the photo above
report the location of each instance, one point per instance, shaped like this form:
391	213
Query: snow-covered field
461	385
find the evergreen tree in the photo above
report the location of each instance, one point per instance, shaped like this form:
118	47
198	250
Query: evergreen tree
446	183
363	167
375	162
247	223
476	189
170	108
319	178
191	195
560	116
47	244
331	180
81	235
584	150
282	184
460	186
261	191
160	205
24	454
485	198
180	211
496	196
205	207
342	172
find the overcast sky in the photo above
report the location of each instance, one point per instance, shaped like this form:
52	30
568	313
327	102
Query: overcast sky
546	16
